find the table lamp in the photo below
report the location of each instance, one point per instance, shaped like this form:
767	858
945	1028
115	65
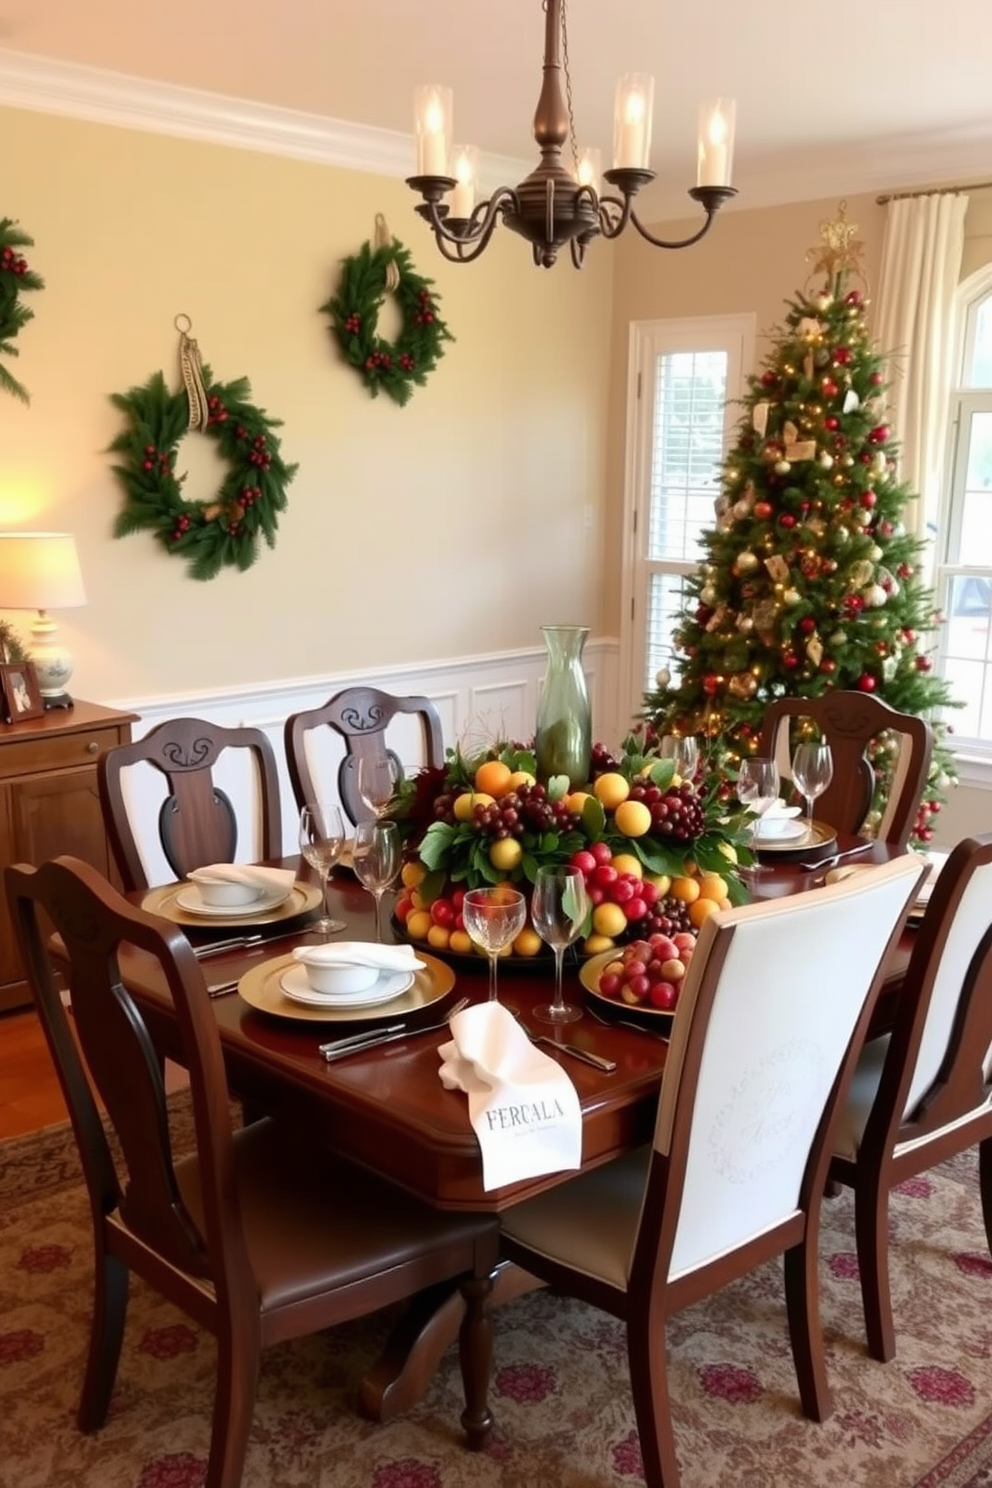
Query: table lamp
40	571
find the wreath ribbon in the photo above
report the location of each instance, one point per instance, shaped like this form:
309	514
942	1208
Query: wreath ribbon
191	370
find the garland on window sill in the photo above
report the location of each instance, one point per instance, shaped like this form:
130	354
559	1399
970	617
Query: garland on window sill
218	532
15	277
394	367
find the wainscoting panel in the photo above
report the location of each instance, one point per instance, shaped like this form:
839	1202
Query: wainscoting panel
478	698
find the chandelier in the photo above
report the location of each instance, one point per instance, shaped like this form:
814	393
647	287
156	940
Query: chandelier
556	205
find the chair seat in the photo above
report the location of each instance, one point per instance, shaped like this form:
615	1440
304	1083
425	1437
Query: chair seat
589	1223
311	1219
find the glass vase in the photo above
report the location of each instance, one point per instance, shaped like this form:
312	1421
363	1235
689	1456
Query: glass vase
564	726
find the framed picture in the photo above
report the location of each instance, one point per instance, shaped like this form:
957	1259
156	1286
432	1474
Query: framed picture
19	691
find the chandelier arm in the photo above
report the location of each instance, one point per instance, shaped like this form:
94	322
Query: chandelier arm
614	214
478	233
666	243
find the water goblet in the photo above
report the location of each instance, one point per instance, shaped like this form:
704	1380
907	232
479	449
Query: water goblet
559	906
494	917
321	844
684	750
376	857
812	771
378	777
757	789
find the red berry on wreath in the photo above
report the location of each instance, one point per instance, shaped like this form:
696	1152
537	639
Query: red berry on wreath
147	465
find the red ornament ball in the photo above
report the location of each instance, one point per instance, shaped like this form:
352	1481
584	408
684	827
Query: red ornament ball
831	423
877	378
868	499
828	667
829	387
711	685
866	682
787	520
854	297
807	625
769	379
762	510
879	434
924	664
789	661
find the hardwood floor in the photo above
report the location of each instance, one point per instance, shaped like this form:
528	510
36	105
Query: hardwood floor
30	1096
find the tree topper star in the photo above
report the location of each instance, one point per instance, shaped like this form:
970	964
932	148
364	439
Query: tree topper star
842	250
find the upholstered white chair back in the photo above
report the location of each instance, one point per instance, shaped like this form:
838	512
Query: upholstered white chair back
972	921
792	984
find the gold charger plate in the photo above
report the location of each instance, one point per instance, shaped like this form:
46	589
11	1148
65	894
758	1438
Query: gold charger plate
821	836
260	989
302	898
658	1020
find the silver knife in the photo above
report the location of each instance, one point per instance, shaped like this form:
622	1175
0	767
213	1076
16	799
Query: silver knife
357	1043
586	1055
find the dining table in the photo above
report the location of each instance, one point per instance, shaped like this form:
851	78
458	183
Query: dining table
386	1107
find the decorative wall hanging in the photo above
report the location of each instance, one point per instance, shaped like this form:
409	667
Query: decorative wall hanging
226	529
376	270
15	277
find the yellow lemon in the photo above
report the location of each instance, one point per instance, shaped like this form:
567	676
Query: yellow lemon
460	942
609	919
466	803
419	924
610	789
527	943
575	800
519	778
493	776
505	854
661	881
632	818
593	944
627	863
411	874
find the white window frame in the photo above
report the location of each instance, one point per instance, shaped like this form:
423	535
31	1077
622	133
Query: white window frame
648	340
974	754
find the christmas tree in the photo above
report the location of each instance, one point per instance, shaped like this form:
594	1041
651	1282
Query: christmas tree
810	579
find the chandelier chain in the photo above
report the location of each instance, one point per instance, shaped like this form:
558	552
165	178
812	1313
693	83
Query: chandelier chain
568	88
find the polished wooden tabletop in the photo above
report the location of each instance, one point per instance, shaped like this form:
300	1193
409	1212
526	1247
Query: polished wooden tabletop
387	1107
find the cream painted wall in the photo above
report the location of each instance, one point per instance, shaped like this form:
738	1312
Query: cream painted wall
455	525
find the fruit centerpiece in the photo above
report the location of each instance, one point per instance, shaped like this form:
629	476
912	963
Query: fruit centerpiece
658	853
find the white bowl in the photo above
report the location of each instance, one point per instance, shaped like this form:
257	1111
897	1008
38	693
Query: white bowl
228	895
333	978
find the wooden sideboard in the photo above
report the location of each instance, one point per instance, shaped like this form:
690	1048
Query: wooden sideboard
49	804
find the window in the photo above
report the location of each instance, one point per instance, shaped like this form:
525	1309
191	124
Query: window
963	579
684	379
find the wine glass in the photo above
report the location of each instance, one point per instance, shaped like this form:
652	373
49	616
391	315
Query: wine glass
376	858
684	750
757	789
494	917
812	770
559	905
321	843
378	777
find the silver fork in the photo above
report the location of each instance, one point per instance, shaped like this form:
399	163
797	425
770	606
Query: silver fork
850	852
357	1043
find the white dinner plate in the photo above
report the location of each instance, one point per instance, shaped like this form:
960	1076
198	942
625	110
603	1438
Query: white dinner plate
296	985
261	988
780	829
191	899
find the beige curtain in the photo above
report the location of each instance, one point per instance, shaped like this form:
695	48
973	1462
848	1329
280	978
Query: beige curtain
914	326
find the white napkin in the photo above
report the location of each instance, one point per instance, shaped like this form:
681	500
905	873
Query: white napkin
264	880
360	953
778	811
521	1103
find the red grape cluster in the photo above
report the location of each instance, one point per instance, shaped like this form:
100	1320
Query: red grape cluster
675	813
601	761
525	809
649	972
670	916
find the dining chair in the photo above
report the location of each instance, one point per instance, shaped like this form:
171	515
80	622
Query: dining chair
761	1054
361	716
923	1092
850	721
197	822
258	1236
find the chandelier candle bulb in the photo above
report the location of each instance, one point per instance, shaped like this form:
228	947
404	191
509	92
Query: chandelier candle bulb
590	169
462	199
432	113
716	142
632	123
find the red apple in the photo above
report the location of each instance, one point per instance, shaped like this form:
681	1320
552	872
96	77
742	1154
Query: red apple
664	996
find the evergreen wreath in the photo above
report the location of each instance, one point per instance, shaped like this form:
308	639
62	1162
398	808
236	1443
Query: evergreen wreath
366	278
15	277
208	534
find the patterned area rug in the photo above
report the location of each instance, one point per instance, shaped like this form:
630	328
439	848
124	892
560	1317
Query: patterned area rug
560	1391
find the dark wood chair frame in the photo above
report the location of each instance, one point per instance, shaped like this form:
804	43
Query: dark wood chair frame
361	716
952	1116
258	1236
197	822
849	721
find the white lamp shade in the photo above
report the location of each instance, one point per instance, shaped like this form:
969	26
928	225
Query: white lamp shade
39	571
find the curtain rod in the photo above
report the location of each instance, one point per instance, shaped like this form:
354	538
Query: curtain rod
881	201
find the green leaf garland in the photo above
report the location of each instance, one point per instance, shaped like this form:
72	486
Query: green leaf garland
397	366
225	530
15	277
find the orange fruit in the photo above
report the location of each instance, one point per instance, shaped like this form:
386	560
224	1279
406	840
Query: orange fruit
685	889
505	854
527	943
575	800
411	874
609	919
712	886
439	936
493	776
701	910
610	789
632	818
593	944
460	942
418	924
627	863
